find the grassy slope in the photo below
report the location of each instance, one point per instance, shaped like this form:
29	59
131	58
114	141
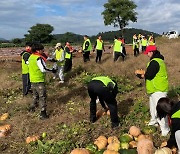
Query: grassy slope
68	104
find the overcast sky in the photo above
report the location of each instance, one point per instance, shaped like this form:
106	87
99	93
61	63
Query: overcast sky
82	16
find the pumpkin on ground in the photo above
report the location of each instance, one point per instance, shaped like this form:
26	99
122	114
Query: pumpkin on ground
101	142
163	144
147	130
2	134
124	145
4	116
126	138
100	113
133	144
5	128
92	148
163	150
80	151
134	131
32	139
110	152
113	139
145	146
128	151
100	151
113	146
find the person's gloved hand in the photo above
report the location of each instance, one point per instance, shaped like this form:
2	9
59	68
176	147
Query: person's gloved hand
140	73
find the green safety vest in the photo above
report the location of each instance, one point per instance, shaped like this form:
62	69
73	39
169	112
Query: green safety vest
25	68
160	81
151	41
105	80
144	42
34	72
58	55
117	46
89	47
176	114
99	45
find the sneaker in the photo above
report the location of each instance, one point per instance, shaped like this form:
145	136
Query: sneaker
93	120
61	81
43	115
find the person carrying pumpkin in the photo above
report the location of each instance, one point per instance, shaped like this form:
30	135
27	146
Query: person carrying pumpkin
37	69
166	107
106	90
156	85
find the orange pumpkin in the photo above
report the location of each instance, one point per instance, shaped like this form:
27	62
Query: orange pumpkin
100	113
134	131
113	139
32	138
110	152
80	151
4	116
163	144
101	142
5	128
2	134
114	146
133	144
145	146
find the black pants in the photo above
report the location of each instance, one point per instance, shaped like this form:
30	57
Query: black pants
143	48
98	55
68	65
86	56
124	51
117	55
26	84
136	51
97	89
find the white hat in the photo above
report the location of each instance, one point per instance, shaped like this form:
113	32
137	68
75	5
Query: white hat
58	45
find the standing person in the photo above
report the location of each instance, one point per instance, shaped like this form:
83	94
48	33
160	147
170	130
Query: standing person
135	45
144	43
60	60
99	46
165	108
156	85
68	57
123	46
37	69
117	47
87	47
151	40
106	90
25	69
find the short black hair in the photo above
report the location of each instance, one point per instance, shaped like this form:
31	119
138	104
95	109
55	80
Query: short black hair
85	36
36	47
28	44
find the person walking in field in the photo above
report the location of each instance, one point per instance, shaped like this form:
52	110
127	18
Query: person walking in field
60	61
135	45
105	89
68	57
25	69
87	47
156	85
99	46
144	43
37	69
165	107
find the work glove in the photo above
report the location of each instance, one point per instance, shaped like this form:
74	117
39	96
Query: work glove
140	73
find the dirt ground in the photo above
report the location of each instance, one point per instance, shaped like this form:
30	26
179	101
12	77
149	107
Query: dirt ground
68	104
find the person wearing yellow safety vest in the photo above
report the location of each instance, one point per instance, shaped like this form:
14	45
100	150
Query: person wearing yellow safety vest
143	43
68	57
60	61
151	40
87	47
25	69
117	47
165	107
105	89
99	46
135	45
37	69
156	85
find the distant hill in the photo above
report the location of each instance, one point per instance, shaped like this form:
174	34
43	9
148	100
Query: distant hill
107	36
2	39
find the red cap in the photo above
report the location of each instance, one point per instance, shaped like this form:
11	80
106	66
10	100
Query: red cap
150	48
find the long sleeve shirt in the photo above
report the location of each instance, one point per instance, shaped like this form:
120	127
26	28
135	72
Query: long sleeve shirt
42	65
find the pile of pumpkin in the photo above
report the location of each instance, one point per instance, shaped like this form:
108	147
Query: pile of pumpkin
4	129
132	143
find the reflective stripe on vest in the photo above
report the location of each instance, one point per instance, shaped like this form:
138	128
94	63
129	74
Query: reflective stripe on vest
59	54
89	47
25	68
160	81
105	80
117	46
176	114
99	45
34	72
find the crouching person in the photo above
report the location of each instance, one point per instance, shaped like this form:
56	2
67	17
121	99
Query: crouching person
37	69
164	108
106	90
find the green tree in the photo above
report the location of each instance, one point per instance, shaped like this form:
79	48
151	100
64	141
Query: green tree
17	41
119	13
40	33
